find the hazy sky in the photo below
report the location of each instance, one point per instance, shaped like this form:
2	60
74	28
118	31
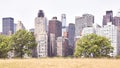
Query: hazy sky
26	10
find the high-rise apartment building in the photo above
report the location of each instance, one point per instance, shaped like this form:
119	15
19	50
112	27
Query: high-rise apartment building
8	26
41	35
20	26
108	17
111	32
86	20
55	30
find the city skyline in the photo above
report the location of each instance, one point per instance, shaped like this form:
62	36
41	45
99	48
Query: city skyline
26	10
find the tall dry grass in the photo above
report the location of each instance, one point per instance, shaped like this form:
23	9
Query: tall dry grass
59	63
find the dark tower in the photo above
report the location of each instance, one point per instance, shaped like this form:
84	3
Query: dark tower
55	30
109	14
108	17
40	13
8	26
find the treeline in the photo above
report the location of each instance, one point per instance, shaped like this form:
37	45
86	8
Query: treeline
22	43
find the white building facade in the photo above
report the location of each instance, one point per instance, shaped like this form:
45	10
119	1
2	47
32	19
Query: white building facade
41	35
111	32
20	26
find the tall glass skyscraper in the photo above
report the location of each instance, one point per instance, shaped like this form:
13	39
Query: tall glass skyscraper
63	20
8	26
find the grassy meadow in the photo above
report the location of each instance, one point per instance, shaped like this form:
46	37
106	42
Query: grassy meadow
60	63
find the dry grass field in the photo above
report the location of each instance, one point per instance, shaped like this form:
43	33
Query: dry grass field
59	63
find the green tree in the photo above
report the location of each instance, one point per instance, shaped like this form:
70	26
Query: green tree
5	45
23	43
93	45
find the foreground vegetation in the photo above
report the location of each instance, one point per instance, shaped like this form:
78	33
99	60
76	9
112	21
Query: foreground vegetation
20	43
60	63
93	45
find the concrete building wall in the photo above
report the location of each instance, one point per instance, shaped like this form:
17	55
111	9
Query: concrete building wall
62	46
89	20
53	45
86	20
79	25
20	26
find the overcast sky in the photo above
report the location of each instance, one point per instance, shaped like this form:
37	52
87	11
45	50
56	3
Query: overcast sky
26	10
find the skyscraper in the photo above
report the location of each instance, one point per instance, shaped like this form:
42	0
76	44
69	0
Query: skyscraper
116	21
41	34
108	17
71	36
71	33
63	20
86	20
55	27
55	30
8	26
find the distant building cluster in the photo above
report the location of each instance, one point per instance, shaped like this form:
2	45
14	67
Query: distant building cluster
9	27
55	38
109	29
